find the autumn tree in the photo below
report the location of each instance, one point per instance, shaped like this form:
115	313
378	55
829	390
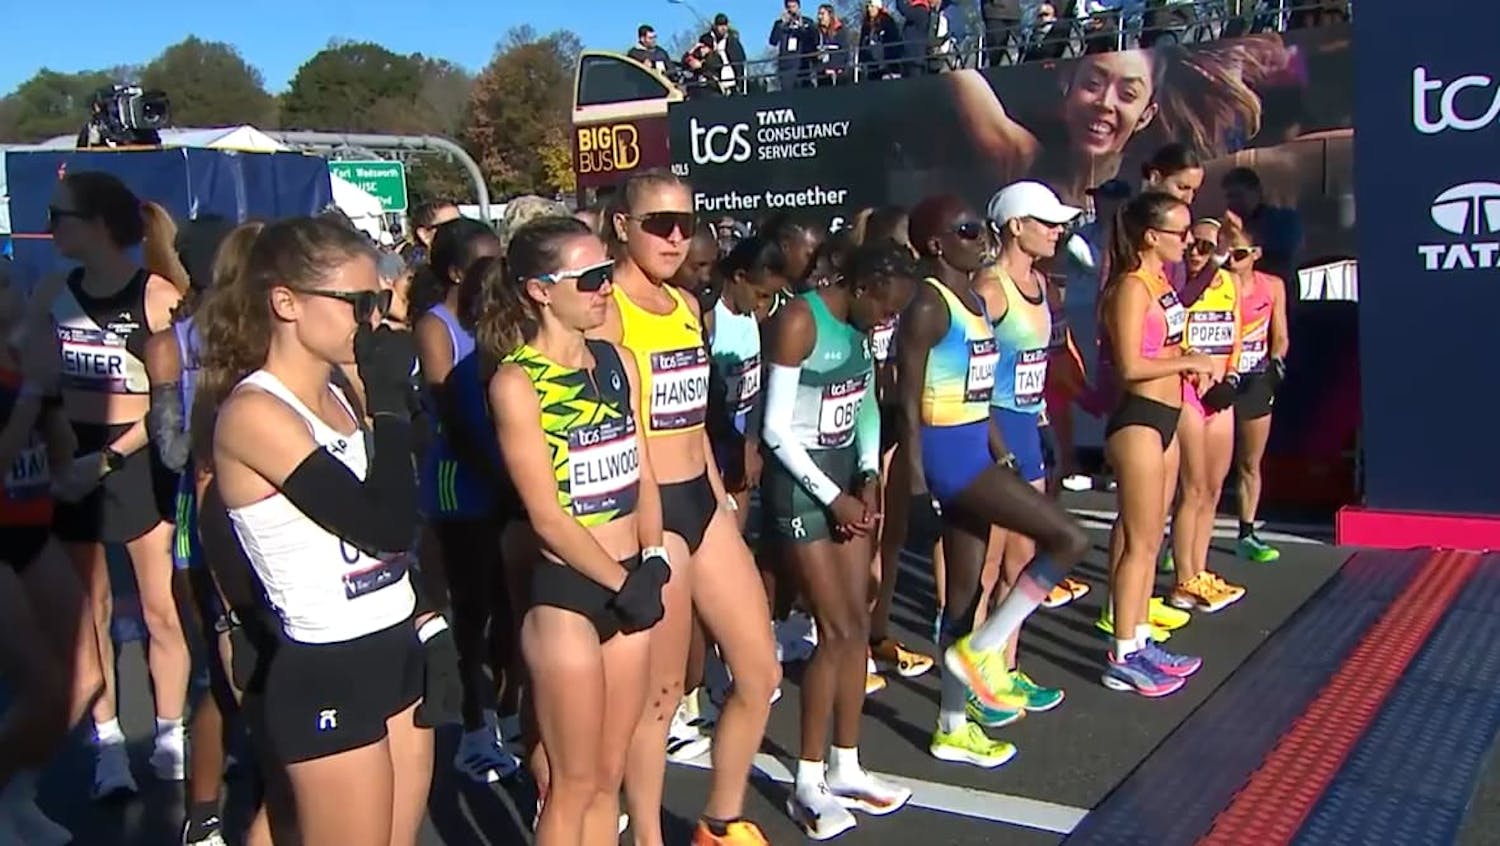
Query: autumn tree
209	84
50	104
519	113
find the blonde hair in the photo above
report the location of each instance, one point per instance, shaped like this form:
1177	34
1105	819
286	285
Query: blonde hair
159	246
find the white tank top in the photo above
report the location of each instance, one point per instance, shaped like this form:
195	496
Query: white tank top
323	589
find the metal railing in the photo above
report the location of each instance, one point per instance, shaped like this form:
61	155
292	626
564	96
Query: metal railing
1129	25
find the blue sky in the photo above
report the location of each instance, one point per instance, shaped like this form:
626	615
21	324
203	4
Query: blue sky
276	36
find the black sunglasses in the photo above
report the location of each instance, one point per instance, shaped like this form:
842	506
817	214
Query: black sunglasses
1203	248
663	223
590	279
1241	253
969	230
366	304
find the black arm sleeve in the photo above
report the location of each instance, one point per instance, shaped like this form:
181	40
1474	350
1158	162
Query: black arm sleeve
164	422
378	515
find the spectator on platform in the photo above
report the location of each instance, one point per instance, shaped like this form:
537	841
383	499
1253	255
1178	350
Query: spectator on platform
1276	230
725	42
649	53
1002	30
1049	37
703	69
880	48
795	37
831	65
919	24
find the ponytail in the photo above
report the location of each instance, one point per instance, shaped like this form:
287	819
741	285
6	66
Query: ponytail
159	246
1127	232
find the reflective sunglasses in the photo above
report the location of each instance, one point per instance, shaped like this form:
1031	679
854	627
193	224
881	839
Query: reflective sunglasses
969	230
366	304
663	223
590	279
1241	253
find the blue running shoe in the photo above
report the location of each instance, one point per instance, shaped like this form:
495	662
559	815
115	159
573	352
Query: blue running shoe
1170	663
1137	674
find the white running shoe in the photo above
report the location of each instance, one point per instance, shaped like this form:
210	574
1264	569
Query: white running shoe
1078	482
169	758
481	760
818	812
864	792
112	776
684	740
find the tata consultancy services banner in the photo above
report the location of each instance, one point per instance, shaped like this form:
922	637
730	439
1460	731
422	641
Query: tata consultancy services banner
1073	124
1427	165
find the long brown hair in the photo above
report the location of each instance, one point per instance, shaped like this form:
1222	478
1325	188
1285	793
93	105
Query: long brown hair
235	322
228	259
1127	232
159	246
508	317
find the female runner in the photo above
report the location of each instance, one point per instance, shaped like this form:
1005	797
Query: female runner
1143	321
328	520
567	425
48	653
172	363
946	354
1028	219
453	499
103	312
1263	349
1205	431
648	232
821	494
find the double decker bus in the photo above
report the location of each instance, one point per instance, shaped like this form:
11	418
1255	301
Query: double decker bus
619	120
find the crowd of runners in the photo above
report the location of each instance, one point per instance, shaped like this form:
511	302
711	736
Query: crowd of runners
582	485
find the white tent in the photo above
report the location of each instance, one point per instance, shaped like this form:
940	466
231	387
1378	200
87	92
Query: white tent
362	208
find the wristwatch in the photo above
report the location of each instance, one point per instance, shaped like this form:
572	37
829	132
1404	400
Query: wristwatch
113	460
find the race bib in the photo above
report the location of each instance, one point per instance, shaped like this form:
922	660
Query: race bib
1031	377
1252	355
604	467
979	386
881	339
29	475
373	573
1059	335
1176	317
838	411
92	360
1211	332
744	385
679	389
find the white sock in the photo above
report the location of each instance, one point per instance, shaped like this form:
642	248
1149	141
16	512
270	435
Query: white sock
1143	633
843	764
952	703
810	775
1124	648
165	728
108	732
1036	581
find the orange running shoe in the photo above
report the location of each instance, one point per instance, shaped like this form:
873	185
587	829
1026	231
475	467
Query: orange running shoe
737	833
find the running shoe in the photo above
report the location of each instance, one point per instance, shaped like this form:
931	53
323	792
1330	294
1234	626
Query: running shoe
968	744
1200	594
1106	623
112	776
819	813
866	793
737	833
1252	548
210	836
989	717
169	758
1163	616
1139	675
1077	588
1234	592
1038	698
684	741
1167	564
1170	663
1057	597
908	664
985	673
874	683
1078	482
481	759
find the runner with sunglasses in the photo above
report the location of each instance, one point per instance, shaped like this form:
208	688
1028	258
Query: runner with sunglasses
714	573
1028	219
821	495
1205	432
328	521
1144	322
568	423
947	356
1264	344
463	545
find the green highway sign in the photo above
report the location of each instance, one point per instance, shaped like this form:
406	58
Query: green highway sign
383	180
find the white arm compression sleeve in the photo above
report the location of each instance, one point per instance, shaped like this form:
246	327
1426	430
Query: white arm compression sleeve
776	433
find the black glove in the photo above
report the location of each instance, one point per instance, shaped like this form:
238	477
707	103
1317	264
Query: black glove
1276	372
638	604
442	690
1221	395
386	359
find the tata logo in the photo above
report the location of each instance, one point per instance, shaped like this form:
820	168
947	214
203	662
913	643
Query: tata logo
605	149
1451	114
1472	212
719	144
